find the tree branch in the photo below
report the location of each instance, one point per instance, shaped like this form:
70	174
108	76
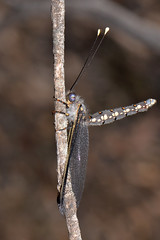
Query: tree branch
59	84
70	209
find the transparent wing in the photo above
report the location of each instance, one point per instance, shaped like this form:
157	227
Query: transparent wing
78	142
78	159
109	116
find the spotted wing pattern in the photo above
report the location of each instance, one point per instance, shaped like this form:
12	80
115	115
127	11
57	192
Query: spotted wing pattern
109	116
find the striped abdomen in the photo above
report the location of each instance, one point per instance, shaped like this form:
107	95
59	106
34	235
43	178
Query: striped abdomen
108	116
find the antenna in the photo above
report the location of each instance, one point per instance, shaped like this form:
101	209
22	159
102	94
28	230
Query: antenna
92	52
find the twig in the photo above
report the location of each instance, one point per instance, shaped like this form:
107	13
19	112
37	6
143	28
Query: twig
58	15
59	84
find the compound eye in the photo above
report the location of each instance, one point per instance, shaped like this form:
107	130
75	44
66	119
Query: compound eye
72	97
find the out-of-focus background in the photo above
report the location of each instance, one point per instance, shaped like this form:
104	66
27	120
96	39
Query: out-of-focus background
121	200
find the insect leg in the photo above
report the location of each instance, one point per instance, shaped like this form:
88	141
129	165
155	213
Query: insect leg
59	100
53	112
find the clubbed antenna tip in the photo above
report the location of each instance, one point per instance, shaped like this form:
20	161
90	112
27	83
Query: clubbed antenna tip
106	30
100	30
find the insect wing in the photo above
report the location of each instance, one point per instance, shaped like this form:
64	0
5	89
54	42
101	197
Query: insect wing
79	156
78	142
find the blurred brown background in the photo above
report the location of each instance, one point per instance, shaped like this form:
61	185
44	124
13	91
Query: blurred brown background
121	200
